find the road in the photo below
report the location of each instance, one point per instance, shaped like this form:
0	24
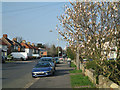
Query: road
18	75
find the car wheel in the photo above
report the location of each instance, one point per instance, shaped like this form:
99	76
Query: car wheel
54	69
22	59
34	77
53	73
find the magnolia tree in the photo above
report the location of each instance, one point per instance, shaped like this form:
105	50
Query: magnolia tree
93	29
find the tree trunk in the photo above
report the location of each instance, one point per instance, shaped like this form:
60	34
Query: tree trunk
77	59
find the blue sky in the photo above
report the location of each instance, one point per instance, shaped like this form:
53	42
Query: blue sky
32	21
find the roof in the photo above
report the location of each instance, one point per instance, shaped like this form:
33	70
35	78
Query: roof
26	45
30	46
9	41
34	47
17	43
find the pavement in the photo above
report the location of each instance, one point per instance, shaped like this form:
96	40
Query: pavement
18	75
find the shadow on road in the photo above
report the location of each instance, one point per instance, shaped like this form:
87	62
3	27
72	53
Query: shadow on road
62	72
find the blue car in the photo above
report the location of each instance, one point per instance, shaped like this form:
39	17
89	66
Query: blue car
42	69
48	59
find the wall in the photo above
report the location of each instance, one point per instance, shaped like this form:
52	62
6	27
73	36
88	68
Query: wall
91	74
29	51
103	82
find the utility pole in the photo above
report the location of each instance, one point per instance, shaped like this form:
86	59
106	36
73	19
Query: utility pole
58	44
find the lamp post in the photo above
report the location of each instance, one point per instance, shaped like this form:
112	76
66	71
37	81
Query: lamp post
58	42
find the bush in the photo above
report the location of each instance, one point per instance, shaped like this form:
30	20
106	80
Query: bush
91	64
108	68
70	53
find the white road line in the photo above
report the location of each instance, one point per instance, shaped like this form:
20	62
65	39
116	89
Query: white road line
30	83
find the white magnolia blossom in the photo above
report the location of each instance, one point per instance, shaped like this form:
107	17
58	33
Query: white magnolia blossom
91	24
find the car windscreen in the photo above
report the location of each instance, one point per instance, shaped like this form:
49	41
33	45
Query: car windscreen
42	65
46	59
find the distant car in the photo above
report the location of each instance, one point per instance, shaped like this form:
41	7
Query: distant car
42	69
48	59
111	59
85	60
61	59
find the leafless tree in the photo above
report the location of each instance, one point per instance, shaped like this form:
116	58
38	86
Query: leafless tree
19	39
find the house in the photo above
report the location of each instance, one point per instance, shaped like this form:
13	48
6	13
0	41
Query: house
3	49
35	51
9	43
28	48
43	52
112	54
24	51
17	46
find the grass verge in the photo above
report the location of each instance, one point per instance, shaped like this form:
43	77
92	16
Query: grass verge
76	71
80	80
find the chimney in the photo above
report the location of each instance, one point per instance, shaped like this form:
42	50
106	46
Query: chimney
33	44
23	41
28	43
5	35
14	39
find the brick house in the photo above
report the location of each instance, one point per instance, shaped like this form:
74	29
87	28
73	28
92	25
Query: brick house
9	43
35	50
28	48
18	47
3	49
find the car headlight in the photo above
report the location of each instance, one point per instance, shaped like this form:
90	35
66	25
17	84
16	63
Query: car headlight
33	73
47	71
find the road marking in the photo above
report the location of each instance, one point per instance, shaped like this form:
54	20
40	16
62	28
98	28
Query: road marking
30	83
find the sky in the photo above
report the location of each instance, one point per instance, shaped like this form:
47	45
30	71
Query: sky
32	21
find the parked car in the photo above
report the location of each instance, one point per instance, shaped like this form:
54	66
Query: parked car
57	60
48	59
87	60
42	69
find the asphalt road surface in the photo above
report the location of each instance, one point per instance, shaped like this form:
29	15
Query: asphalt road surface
18	75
